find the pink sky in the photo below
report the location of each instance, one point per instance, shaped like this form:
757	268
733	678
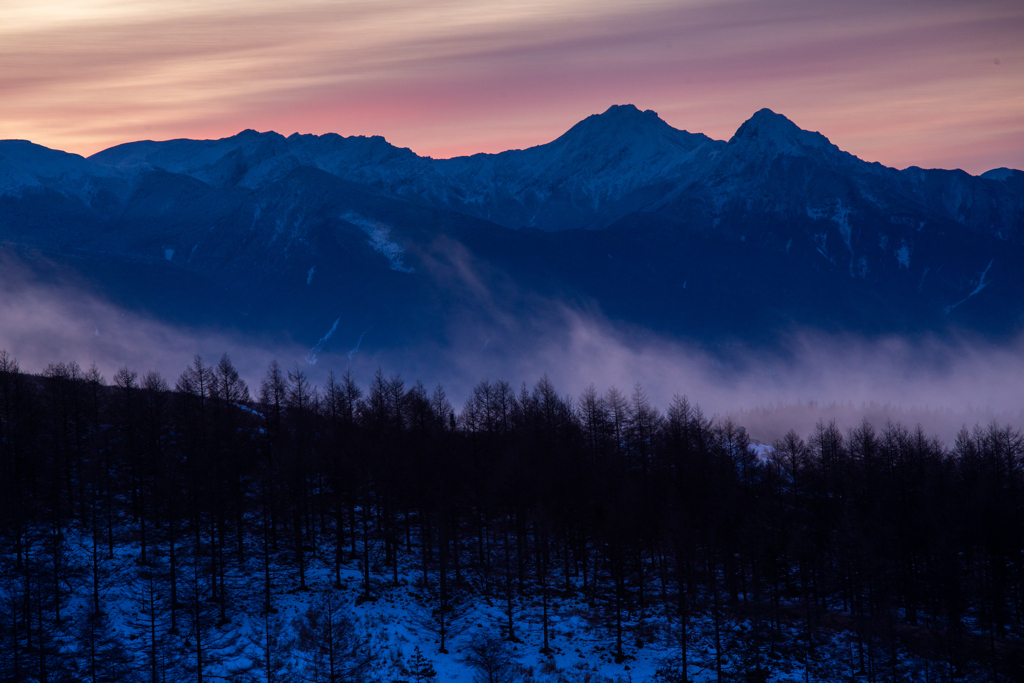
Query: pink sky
918	82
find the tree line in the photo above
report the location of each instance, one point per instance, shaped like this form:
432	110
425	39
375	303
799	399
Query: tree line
909	545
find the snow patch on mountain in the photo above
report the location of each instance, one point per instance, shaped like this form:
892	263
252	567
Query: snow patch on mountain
859	267
903	255
982	284
841	218
820	241
311	357
839	214
380	240
1001	174
355	349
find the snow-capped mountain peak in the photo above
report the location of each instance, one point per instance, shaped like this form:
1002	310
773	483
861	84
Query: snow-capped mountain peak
618	120
773	132
626	127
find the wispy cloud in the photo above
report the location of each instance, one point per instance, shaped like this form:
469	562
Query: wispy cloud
58	319
942	381
921	82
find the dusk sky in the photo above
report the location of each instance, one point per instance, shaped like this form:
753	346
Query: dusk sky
928	83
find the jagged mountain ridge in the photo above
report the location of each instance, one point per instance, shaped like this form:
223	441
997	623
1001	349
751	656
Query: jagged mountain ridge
598	162
558	185
708	226
603	168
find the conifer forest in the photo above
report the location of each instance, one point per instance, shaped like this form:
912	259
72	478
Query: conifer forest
196	529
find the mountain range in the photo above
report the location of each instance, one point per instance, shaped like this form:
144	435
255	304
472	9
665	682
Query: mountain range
651	227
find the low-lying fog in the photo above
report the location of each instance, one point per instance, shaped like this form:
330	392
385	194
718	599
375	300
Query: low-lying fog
942	383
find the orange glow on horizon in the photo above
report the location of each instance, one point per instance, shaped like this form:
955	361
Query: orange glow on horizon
918	83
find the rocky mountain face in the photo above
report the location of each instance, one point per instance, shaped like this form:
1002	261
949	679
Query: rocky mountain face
657	228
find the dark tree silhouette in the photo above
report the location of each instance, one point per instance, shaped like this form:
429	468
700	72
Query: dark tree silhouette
910	547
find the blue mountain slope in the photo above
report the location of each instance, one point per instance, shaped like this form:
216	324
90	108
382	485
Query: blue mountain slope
657	227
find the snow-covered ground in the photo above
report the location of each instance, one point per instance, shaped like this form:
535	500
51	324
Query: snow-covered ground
397	621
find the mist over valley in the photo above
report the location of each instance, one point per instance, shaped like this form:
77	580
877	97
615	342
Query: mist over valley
771	269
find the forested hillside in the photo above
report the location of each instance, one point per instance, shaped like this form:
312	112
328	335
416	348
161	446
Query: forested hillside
191	529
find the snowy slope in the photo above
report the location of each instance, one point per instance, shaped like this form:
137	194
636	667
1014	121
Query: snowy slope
604	168
396	622
571	181
561	184
24	165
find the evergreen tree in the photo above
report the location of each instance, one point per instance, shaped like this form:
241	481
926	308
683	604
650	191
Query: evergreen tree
420	668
